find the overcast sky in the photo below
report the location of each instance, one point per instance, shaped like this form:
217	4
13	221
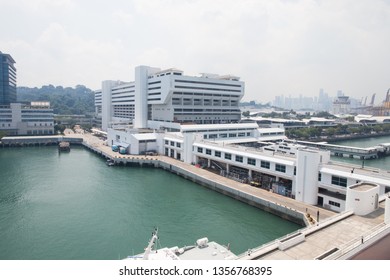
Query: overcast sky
278	47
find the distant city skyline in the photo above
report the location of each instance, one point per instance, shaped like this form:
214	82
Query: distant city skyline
275	47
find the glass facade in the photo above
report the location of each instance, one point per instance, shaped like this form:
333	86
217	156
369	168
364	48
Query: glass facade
7	79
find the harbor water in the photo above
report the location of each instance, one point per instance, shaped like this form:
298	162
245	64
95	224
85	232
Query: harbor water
382	163
72	206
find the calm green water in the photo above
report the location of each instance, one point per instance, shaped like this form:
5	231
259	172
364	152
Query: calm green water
382	163
73	206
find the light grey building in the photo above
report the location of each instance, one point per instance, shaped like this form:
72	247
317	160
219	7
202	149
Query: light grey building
27	119
158	97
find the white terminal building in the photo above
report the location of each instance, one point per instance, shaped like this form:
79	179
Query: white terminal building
196	120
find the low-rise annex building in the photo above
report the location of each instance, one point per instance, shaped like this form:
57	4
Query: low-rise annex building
35	118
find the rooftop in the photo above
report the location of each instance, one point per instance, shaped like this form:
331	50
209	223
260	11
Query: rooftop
362	187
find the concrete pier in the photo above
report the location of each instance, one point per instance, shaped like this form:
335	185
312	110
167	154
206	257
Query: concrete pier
380	150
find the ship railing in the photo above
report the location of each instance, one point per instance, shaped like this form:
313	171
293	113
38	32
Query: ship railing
274	244
353	246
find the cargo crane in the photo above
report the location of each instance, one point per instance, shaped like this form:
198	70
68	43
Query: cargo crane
372	100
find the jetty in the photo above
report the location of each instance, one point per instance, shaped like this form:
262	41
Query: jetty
377	151
44	140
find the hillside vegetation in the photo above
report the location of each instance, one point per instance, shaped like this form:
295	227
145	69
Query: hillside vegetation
64	101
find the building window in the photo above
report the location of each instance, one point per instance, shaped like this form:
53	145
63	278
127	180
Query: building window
172	143
223	135
251	161
200	150
166	142
228	156
319	176
166	151
208	152
217	154
239	159
280	168
339	181
241	134
295	170
264	164
334	203
178	145
232	135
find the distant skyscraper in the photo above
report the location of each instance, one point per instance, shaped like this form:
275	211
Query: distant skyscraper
7	79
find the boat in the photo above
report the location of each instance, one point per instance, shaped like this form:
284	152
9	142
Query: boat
64	146
203	249
110	162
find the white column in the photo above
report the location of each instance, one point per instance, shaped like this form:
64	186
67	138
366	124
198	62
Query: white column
387	211
106	103
307	176
141	97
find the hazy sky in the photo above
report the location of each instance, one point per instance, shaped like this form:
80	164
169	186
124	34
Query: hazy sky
276	46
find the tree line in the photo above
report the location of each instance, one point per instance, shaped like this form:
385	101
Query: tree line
312	133
79	100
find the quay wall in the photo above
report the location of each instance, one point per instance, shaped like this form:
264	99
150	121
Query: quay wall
38	141
269	206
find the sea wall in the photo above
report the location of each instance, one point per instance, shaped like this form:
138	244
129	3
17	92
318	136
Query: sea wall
263	204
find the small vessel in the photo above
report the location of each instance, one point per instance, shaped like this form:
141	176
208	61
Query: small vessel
202	250
110	162
64	146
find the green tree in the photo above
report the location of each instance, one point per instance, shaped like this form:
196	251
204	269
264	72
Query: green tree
246	113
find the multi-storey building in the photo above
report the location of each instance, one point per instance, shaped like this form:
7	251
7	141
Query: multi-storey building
159	97
7	79
17	118
22	119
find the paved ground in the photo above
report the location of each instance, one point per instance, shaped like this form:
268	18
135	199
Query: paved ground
338	235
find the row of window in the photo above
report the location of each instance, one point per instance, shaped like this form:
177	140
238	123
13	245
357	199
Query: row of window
339	181
250	161
172	143
336	180
204	88
208	83
225	135
178	93
334	203
122	88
